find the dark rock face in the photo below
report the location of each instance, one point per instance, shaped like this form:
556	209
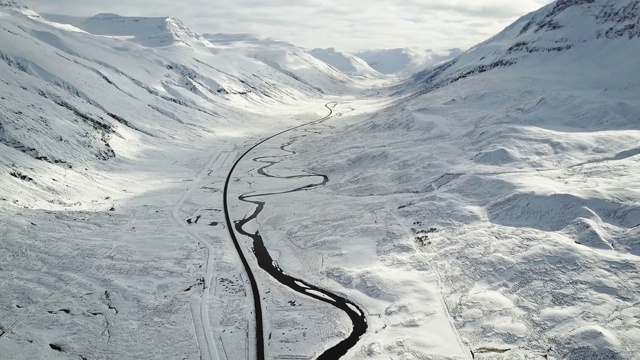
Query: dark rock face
549	22
624	20
612	13
623	17
562	5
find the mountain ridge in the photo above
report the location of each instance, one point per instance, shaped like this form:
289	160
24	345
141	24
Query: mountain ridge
146	31
345	62
552	29
101	89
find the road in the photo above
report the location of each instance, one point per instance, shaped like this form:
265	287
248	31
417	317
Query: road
266	263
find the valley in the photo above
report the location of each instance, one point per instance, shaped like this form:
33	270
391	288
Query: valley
166	194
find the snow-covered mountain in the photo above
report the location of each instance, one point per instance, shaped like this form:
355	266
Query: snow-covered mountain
290	60
404	61
513	168
345	62
563	34
485	208
165	31
148	32
108	77
109	118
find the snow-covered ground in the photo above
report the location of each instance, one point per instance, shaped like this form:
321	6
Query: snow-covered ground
116	140
511	173
485	208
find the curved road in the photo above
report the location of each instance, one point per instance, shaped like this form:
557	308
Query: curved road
266	262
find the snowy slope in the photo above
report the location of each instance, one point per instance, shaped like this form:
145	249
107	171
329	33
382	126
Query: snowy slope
287	59
345	62
577	25
78	91
148	32
404	61
113	133
512	170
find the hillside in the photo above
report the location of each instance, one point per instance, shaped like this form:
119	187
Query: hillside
512	169
106	126
582	26
166	194
286	58
148	79
345	62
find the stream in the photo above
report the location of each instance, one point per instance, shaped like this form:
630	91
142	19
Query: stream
265	262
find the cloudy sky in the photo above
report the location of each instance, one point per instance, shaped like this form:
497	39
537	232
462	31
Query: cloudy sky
346	25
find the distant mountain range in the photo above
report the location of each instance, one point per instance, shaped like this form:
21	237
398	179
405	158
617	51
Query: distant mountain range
345	62
399	62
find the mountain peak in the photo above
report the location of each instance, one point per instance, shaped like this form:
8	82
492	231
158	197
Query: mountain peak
146	31
106	16
578	29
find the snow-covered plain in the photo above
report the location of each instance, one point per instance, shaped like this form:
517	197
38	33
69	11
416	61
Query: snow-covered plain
485	208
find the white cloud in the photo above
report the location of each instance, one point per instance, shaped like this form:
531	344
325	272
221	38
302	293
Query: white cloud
346	25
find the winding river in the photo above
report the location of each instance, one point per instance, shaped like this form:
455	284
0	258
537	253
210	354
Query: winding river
266	263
